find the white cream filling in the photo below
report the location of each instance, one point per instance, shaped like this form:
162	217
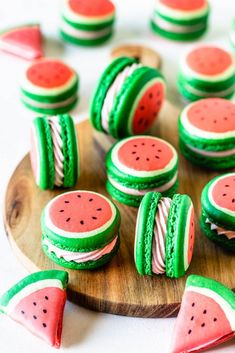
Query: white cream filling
172	27
205	94
57	149
227	153
83	34
42	105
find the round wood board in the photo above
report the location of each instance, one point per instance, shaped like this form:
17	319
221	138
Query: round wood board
115	288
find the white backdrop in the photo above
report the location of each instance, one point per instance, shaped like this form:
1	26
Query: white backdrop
84	331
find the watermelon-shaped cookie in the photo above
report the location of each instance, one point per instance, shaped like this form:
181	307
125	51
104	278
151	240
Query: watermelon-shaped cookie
127	99
37	302
218	210
24	41
164	237
49	86
207	71
180	19
207	133
87	22
206	316
137	165
80	230
54	152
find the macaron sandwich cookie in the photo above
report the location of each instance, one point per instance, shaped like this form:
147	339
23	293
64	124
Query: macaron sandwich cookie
207	133
165	232
54	152
37	303
49	86
139	164
180	19
207	71
80	230
127	99
87	22
218	210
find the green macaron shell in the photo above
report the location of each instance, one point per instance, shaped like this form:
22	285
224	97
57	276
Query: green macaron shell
221	240
213	163
62	276
215	214
88	265
83	244
124	100
51	111
70	150
106	80
46	155
85	42
144	233
187	22
178	36
207	85
176	224
88	26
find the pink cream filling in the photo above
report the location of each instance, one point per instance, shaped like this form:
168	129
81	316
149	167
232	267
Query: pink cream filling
159	236
80	256
230	234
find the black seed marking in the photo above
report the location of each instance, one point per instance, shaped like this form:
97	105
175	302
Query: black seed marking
189	332
82	222
227	186
192	318
90	200
224	194
34	303
153	144
203	325
45	311
35	317
133	152
99	209
134	145
142	107
137	158
68	219
61	210
193	304
22	312
150	95
147	159
142	143
233	200
215	319
204	312
44	325
66	202
79	196
46	297
159	150
225	118
140	121
157	157
94	217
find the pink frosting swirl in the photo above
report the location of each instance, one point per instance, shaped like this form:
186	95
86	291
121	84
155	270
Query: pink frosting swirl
57	149
230	234
159	236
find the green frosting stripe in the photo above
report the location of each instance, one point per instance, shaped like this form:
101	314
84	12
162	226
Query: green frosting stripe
193	21
51	111
33	278
89	27
85	42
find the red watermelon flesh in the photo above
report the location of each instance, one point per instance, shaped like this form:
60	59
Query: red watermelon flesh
25	42
145	154
92	8
184	5
191	237
148	108
80	212
42	313
209	61
213	115
49	73
223	192
201	324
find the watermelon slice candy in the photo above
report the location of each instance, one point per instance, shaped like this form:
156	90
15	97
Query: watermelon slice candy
206	316
24	41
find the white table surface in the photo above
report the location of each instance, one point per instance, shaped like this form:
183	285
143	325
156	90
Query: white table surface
84	331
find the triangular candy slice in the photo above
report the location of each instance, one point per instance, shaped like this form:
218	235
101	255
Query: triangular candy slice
24	41
37	302
206	317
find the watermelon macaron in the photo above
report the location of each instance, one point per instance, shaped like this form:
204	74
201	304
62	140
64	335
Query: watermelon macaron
206	317
139	164
24	41
207	133
207	71
180	19
218	210
127	99
49	86
80	230
87	22
54	152
165	232
37	302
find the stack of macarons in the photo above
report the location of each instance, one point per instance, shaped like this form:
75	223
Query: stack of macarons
207	133
180	19
218	210
165	231
54	152
127	99
87	22
49	86
80	230
207	71
139	164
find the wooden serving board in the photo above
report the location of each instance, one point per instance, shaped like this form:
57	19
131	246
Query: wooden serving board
115	288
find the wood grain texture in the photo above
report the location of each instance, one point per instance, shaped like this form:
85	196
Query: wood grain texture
115	288
146	56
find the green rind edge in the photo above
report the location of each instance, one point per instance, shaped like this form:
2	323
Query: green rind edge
85	42
51	111
87	26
